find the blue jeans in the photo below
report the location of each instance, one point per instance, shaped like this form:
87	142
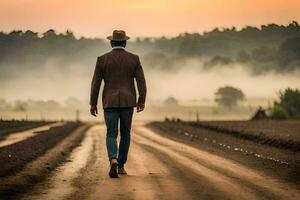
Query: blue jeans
112	117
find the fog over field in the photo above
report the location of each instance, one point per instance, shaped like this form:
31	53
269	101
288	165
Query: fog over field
187	83
192	83
51	70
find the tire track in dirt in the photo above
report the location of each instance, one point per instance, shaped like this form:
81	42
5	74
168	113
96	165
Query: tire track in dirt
94	182
172	180
222	183
249	180
94	175
148	177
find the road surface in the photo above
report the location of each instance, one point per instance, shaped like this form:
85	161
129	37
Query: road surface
158	168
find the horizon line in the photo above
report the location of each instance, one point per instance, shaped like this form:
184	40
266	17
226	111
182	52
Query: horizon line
221	29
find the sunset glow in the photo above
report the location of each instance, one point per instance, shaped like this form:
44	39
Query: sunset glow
97	18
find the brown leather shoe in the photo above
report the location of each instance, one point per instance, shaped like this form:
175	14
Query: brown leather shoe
113	169
121	170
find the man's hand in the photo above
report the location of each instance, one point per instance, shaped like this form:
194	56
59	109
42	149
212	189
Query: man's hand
140	108
94	111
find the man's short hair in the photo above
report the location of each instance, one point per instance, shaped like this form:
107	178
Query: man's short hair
118	43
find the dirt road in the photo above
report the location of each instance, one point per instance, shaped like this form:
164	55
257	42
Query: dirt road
158	168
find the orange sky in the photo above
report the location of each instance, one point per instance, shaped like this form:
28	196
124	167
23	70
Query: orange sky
143	17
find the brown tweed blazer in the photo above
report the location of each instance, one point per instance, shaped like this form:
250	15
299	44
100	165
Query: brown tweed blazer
118	68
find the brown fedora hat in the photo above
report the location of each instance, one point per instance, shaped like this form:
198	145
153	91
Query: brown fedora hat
118	35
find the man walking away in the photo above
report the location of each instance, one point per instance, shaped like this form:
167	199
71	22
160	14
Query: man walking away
118	68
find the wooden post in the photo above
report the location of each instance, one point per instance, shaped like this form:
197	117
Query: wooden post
197	116
77	115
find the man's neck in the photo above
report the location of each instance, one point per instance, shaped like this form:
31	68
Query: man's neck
118	47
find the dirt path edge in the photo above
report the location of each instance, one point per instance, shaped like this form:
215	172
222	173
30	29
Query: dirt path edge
12	187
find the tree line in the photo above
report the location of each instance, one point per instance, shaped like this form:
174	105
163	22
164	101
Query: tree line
270	47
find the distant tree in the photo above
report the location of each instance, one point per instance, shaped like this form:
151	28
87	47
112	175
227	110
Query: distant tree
218	60
20	107
289	51
190	46
15	33
171	101
30	35
229	96
277	112
243	56
288	106
263	54
294	26
49	33
214	32
69	34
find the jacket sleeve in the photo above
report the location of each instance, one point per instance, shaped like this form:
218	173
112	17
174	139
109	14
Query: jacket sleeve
96	83
141	83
